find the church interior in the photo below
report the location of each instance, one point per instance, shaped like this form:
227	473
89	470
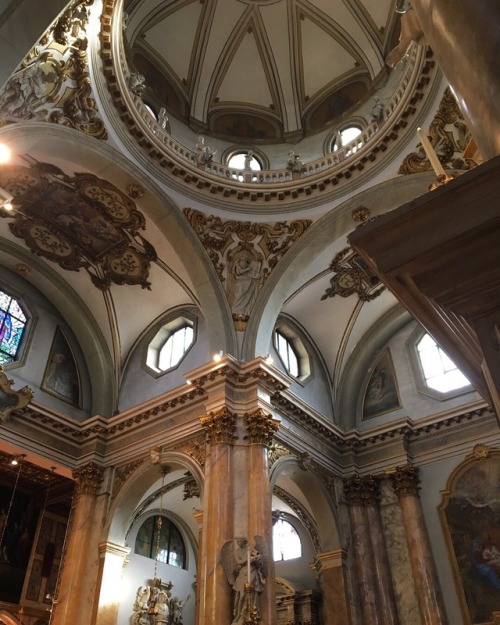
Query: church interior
249	312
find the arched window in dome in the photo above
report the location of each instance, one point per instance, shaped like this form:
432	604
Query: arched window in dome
250	160
286	541
439	371
160	539
245	159
13	322
344	136
170	344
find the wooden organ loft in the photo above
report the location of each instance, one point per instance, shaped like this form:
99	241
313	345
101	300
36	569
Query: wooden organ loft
440	256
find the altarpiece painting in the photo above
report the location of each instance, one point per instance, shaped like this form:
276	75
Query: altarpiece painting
470	514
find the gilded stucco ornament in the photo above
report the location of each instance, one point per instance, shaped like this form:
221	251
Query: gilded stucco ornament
195	448
361	491
9	398
449	137
405	480
88	478
260	428
352	275
220	427
244	254
53	83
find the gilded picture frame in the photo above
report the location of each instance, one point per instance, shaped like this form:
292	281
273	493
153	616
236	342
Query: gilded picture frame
470	516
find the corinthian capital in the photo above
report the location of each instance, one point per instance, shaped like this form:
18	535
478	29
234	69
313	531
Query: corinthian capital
88	478
361	491
260	427
405	481
220	426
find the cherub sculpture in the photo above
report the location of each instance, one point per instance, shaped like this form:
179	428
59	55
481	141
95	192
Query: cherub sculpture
245	566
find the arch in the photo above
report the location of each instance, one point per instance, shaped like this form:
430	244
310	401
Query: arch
287	276
315	496
132	492
80	150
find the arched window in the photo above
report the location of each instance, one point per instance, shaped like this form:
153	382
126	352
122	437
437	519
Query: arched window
345	136
244	159
158	538
286	541
170	344
12	326
439	371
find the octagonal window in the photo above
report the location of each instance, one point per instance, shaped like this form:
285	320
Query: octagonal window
170	344
12	328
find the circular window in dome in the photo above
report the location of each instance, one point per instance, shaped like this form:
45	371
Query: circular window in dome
345	136
244	160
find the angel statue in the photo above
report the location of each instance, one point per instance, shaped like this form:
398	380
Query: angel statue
245	566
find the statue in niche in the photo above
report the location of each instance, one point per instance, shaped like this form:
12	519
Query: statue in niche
245	568
246	275
154	605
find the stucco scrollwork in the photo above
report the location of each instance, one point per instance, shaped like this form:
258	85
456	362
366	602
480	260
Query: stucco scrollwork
9	398
352	275
53	83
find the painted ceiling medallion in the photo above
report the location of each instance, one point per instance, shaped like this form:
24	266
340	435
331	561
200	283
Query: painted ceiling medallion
352	275
79	221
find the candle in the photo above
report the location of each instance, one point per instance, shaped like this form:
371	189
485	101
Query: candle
248	565
431	155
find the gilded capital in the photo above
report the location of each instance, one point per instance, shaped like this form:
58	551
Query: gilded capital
88	478
220	426
361	491
405	481
260	427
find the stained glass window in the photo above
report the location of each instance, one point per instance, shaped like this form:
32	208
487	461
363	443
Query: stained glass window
12	326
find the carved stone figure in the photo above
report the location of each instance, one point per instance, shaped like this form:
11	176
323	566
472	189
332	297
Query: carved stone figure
154	605
245	570
136	83
294	162
246	277
163	118
204	154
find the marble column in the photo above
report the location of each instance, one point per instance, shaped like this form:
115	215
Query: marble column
260	430
72	607
214	589
198	516
405	482
465	39
111	563
358	492
330	569
386	597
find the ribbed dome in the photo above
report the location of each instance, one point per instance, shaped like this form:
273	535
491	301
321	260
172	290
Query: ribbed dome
260	70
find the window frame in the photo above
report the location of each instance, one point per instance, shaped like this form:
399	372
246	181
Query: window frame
159	336
419	374
299	348
23	347
152	518
285	518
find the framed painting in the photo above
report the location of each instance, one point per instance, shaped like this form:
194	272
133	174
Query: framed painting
470	514
61	373
381	393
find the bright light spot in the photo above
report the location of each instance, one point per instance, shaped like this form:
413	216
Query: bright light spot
4	153
8	206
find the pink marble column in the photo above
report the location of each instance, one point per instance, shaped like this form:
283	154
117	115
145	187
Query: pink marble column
405	483
260	429
214	589
358	492
386	597
72	606
465	39
330	569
